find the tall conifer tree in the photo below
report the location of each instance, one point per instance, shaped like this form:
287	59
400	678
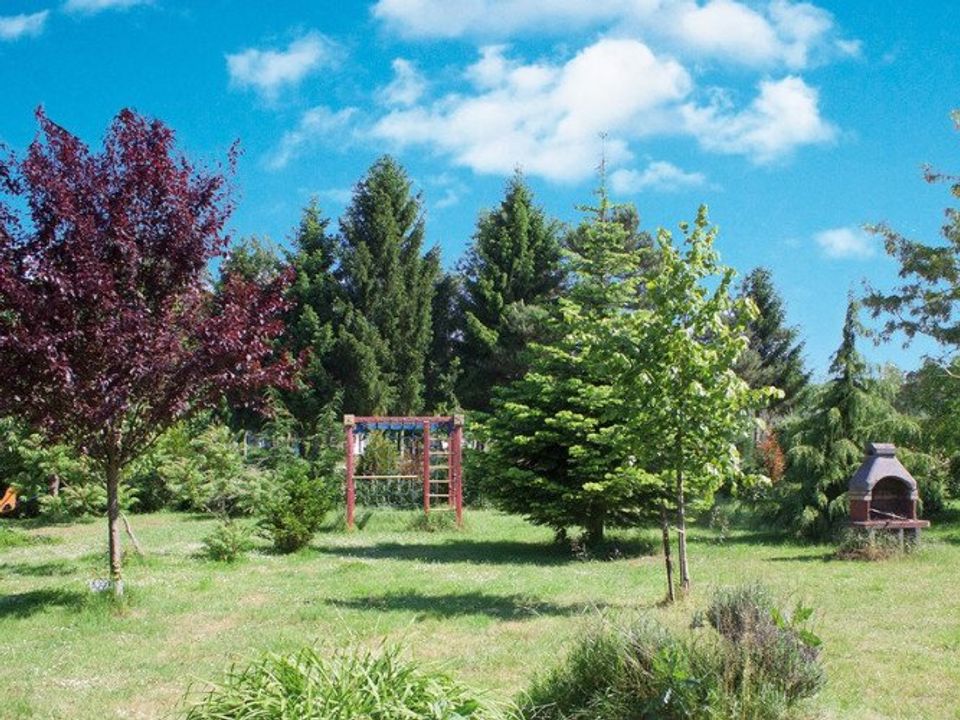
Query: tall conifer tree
774	356
443	362
388	287
312	321
555	445
512	267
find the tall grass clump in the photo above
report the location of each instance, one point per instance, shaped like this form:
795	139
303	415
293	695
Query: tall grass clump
342	686
755	663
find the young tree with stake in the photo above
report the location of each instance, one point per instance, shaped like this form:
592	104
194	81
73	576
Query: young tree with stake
109	328
677	360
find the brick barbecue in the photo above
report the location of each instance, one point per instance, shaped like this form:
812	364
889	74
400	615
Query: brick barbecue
883	494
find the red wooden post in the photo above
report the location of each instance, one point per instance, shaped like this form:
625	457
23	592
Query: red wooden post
426	468
348	423
456	445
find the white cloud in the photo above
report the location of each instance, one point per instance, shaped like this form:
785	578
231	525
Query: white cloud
845	243
777	32
338	196
267	71
784	116
95	6
547	117
317	125
407	87
18	26
457	18
658	175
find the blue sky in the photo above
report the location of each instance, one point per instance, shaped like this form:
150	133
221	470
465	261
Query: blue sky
795	122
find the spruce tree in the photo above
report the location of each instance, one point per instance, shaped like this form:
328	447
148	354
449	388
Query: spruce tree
826	444
388	287
512	268
555	441
443	362
774	356
312	319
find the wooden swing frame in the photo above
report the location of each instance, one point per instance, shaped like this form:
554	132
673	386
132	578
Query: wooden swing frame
355	425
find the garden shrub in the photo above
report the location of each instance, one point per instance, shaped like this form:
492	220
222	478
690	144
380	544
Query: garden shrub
228	541
342	686
380	456
759	664
293	506
770	643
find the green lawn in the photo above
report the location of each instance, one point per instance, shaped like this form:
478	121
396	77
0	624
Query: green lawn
494	604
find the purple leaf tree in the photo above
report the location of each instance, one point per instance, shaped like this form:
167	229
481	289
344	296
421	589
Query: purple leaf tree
109	327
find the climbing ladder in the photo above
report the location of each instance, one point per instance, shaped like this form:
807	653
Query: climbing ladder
441	480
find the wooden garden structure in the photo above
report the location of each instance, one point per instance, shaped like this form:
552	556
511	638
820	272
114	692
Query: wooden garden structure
438	467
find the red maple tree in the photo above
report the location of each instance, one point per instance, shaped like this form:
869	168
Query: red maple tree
109	327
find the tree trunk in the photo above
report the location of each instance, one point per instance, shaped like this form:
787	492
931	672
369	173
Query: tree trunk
682	536
665	526
113	523
594	531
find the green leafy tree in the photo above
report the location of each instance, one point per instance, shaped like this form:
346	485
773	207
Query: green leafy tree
675	359
774	355
825	444
512	268
388	287
555	450
932	395
928	301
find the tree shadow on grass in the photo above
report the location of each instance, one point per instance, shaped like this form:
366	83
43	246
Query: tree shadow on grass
483	552
22	605
47	569
748	537
498	607
816	557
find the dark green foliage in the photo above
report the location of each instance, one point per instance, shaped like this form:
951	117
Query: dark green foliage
311	685
759	664
311	321
774	356
928	302
293	506
388	288
825	443
512	268
228	541
443	365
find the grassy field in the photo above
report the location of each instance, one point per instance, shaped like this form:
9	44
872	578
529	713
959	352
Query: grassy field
493	604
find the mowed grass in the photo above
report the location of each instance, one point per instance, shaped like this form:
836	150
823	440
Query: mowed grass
493	604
